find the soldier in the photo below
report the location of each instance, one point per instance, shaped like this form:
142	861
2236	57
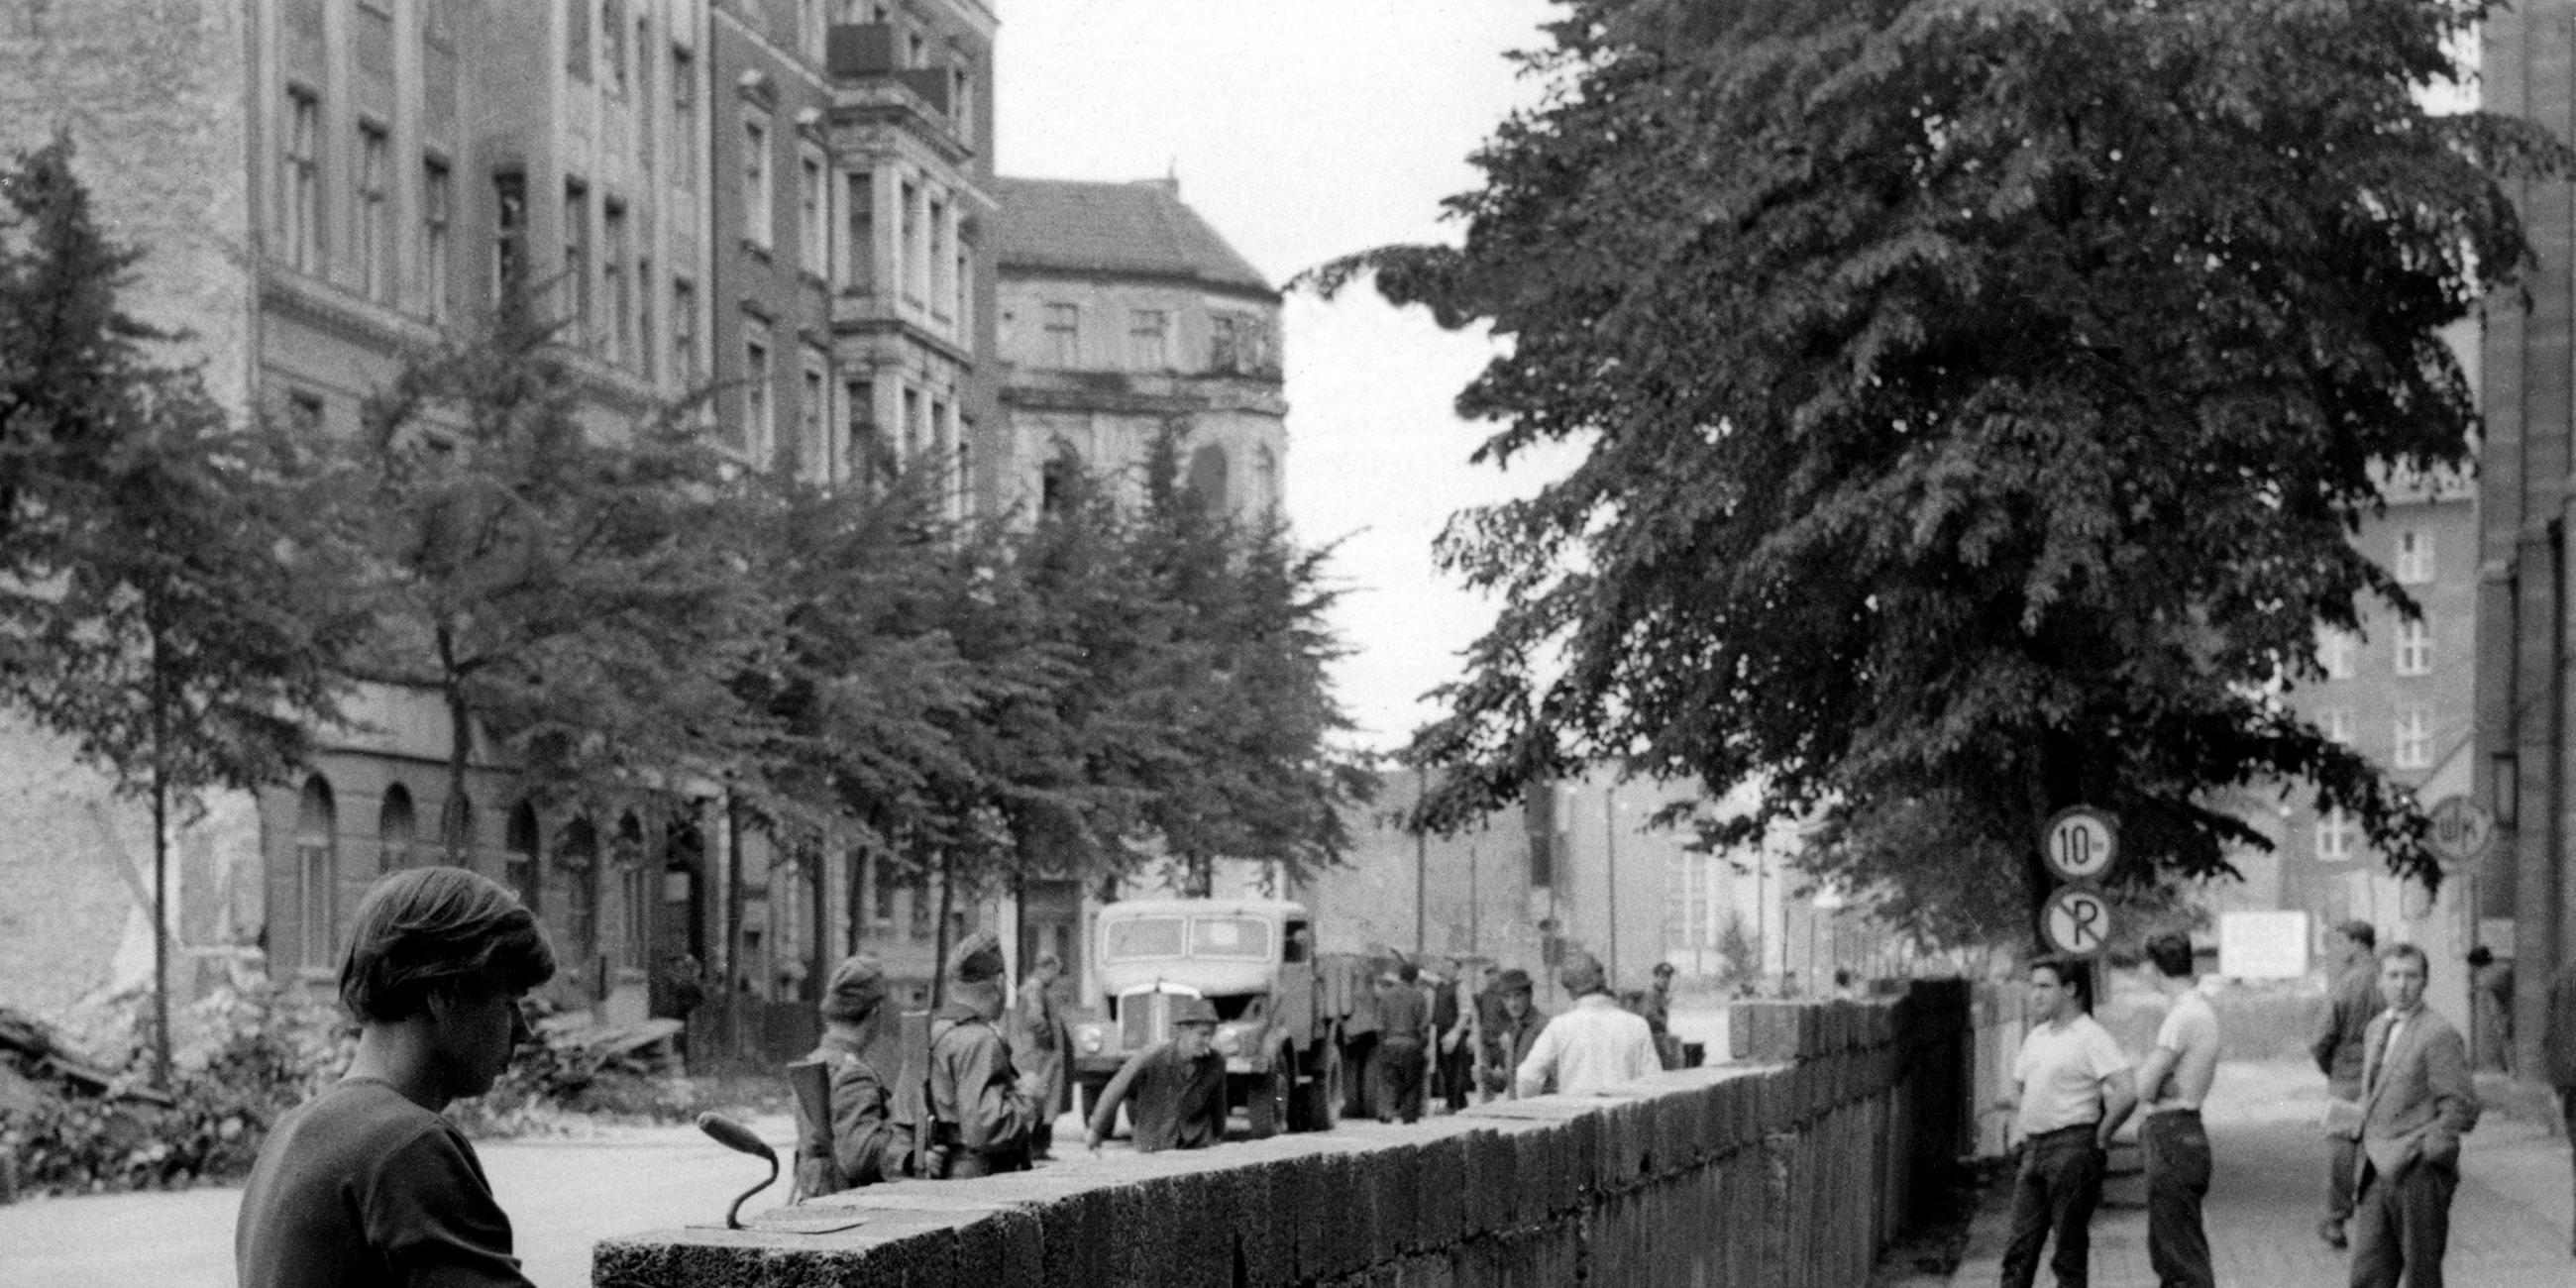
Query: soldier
1174	1091
1038	1039
979	1110
843	1135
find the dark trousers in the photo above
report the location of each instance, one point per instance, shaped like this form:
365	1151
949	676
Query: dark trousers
2059	1185
2343	1160
1456	1072
1399	1082
2402	1226
2177	1155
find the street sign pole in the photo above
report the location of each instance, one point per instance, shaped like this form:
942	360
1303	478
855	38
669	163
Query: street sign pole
2079	845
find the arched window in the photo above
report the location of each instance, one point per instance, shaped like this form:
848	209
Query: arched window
519	869
1267	462
317	875
577	853
1207	481
634	893
396	830
456	830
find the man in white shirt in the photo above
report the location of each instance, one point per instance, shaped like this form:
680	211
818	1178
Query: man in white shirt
1593	1046
2171	1086
2073	1091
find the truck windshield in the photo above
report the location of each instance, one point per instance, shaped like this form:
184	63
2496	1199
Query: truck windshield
1237	938
1142	938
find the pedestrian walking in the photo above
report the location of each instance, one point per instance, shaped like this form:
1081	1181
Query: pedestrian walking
2417	1100
1506	1039
2172	1083
2558	1053
1403	1043
1039	1040
1594	1046
366	1183
845	1136
980	1112
1453	1024
2352	1000
2073	1089
1174	1090
2491	1009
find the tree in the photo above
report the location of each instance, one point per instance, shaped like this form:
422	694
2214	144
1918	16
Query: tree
1979	400
160	603
579	588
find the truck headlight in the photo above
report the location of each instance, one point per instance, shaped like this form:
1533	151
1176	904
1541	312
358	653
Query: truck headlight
1090	1039
1229	1040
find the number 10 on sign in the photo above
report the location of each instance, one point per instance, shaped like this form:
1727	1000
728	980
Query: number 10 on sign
2080	843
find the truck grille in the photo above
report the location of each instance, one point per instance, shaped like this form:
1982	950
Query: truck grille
1144	1020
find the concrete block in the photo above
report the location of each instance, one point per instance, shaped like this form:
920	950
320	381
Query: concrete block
1004	1250
1441	1197
1074	1234
1260	1231
1394	1178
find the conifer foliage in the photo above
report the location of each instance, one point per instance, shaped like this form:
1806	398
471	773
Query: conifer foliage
1979	399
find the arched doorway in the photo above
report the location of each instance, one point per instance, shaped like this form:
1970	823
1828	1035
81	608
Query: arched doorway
315	890
397	831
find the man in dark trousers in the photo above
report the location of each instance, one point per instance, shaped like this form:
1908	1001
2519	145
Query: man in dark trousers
1508	1038
2352	998
980	1112
2073	1088
2558	1051
1174	1091
846	1138
2416	1102
2171	1086
366	1183
1403	1042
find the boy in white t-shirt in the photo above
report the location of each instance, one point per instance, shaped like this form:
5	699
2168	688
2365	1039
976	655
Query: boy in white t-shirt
2073	1091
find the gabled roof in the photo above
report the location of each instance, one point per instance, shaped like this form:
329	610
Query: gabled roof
1069	225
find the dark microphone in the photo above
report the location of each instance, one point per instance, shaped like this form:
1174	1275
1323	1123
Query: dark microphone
733	1135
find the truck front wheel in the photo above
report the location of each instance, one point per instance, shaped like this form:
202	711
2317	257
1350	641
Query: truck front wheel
1271	1101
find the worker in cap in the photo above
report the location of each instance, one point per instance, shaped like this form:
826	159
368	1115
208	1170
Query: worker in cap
1594	1046
981	1113
1174	1090
1510	1034
845	1135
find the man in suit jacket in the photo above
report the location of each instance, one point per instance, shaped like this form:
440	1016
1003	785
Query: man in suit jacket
2558	1049
2417	1101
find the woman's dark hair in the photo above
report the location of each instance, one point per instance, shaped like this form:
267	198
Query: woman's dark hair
438	930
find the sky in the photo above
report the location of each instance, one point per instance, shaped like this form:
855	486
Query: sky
1303	130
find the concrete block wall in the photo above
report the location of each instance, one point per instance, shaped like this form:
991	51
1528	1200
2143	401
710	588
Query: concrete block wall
1789	1169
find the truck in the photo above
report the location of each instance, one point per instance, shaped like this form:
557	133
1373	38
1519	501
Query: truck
1280	1005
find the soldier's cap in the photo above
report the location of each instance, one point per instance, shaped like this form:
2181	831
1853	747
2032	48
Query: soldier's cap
857	988
1514	980
977	958
1582	974
1193	1010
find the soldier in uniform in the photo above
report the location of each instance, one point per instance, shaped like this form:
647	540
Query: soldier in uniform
1036	1032
1174	1091
850	1141
979	1109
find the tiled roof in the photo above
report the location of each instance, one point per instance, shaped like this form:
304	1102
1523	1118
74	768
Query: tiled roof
1141	227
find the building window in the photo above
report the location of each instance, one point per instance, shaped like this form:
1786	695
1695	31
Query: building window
962	285
2335	651
620	288
813	450
759	216
1149	339
756	426
612	41
577	853
961	101
576	263
2414	557
861	452
809	28
509	234
912	431
375	236
684	119
520	868
859	258
437	221
2338	837
2415	647
1064	334
317	875
912	253
937	285
2336	724
813	231
303	180
2414	738
396	829
684	334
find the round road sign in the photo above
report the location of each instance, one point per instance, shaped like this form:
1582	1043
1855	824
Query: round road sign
2080	843
2462	830
2076	920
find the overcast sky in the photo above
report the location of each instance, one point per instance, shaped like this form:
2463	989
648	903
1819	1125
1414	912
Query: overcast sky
1306	129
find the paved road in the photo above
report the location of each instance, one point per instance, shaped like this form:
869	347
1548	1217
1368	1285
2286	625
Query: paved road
2509	1221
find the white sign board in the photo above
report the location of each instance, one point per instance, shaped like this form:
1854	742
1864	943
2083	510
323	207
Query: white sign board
2076	920
2079	843
2263	945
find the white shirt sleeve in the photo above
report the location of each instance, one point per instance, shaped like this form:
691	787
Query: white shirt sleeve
1531	1078
2103	1053
1643	1059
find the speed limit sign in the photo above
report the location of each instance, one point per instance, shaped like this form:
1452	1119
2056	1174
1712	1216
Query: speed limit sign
2079	843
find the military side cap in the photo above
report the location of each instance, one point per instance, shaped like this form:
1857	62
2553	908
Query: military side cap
856	989
1193	1010
977	958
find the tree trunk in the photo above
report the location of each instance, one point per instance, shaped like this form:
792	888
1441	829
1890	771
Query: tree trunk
732	896
821	958
939	938
160	862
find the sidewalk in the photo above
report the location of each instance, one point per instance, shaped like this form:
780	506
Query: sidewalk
2509	1220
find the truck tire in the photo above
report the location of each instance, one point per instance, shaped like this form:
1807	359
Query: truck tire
1271	1101
1318	1103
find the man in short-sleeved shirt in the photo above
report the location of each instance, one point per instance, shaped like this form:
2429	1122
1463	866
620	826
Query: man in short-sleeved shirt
2171	1086
1593	1046
2075	1090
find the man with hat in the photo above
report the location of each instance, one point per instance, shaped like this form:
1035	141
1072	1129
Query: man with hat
845	1136
1510	1032
2352	1002
1403	1042
1594	1046
1174	1091
979	1111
